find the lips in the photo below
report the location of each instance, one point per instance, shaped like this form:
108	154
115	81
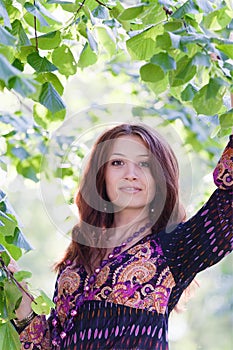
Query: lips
130	189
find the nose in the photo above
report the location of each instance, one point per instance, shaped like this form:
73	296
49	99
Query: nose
131	172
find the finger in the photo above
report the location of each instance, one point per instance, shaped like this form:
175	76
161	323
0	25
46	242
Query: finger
13	266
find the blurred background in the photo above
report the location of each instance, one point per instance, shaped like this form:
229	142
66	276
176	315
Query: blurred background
207	321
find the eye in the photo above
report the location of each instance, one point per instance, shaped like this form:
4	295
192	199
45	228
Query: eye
144	164
117	162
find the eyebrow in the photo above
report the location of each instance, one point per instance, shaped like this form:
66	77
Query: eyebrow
123	155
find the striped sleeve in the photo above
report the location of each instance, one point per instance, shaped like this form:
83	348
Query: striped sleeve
207	237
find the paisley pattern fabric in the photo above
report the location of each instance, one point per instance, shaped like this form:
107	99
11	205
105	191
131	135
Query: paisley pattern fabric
129	305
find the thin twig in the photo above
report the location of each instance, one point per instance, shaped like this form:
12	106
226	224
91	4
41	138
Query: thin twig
35	30
80	7
101	3
167	11
75	16
11	276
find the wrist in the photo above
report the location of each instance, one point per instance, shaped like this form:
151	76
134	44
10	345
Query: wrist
24	322
22	314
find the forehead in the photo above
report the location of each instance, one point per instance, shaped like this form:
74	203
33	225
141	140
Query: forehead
129	145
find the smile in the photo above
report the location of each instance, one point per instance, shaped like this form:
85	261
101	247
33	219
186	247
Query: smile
130	189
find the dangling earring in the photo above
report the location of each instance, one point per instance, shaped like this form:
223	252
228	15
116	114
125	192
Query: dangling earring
152	210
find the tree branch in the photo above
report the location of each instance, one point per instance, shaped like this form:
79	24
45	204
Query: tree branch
35	30
102	4
167	11
80	7
11	277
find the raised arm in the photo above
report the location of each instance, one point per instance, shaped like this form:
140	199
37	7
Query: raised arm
208	236
223	173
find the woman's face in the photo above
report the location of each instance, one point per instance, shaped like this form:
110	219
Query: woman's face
129	182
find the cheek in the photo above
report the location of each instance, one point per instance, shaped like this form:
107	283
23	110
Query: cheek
151	187
111	185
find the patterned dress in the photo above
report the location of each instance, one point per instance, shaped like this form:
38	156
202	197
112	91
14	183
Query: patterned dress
132	298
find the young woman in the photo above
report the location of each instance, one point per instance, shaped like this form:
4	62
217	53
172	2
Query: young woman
132	253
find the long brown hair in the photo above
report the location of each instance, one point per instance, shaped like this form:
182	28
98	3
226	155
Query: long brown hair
92	195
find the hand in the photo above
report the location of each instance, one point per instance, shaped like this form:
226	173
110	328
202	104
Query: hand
25	305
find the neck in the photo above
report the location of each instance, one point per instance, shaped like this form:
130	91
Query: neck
127	218
125	224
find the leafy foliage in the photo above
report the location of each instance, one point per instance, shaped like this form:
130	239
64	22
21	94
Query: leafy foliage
180	51
178	43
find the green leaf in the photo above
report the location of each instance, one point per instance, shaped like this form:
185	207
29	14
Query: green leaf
164	60
2	249
42	304
107	39
152	14
194	38
160	86
17	30
40	64
25	87
217	20
48	41
3	274
87	57
130	13
36	13
92	42
4	15
100	12
227	49
188	93
18	65
70	6
175	40
8	52
208	100
188	7
3	308
82	29
20	152
50	98
51	78
142	46
45	118
5	256
15	252
13	296
184	72
205	6
164	41
24	51
201	59
5	216
22	275
151	72
6	38
64	60
226	119
9	338
7	70
20	241
172	26
30	168
10	224
45	12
